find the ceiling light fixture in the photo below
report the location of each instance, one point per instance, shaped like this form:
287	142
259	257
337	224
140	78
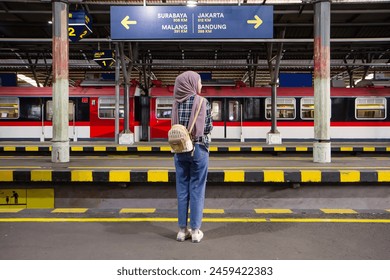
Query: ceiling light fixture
192	3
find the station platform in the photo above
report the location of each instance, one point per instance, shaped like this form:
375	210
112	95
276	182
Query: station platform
8	147
222	169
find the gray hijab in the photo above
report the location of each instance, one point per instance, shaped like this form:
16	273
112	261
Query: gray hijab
186	85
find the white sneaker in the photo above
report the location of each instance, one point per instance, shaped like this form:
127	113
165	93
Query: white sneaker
183	234
197	236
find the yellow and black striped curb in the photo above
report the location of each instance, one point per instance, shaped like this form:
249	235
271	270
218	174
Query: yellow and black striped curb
223	176
213	149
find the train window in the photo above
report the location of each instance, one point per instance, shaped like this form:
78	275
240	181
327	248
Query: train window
107	107
307	108
370	108
252	109
216	110
49	110
285	108
34	112
9	107
234	111
164	108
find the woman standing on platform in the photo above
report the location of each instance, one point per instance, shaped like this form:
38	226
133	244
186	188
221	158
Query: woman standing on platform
191	167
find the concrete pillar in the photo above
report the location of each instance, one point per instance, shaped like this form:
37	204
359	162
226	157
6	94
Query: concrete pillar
60	141
322	104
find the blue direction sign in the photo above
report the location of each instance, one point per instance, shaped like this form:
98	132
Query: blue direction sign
79	25
105	58
182	22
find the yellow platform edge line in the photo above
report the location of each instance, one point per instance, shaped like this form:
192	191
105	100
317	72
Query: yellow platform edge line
213	211
137	210
273	211
70	210
207	220
324	220
338	211
11	210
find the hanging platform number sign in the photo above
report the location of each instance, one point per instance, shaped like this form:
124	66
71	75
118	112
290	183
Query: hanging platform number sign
105	58
80	25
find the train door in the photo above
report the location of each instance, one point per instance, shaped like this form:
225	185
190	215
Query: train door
102	116
160	117
227	118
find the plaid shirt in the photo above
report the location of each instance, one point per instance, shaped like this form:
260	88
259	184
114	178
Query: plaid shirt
184	110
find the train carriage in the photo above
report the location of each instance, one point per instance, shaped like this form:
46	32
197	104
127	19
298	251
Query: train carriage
238	113
245	113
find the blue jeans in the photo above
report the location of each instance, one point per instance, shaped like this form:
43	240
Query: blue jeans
191	175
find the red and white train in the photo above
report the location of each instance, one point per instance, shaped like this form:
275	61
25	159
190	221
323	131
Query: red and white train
238	113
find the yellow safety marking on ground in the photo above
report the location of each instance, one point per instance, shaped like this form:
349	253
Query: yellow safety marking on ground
213	211
349	176
11	210
99	148
302	149
32	148
119	176
383	175
206	220
85	220
81	176
279	149
273	211
9	149
234	176
234	149
311	175
76	148
137	210
41	175
70	210
346	149
369	149
165	148
121	149
157	176
273	176
257	149
144	149
319	220
6	175
338	211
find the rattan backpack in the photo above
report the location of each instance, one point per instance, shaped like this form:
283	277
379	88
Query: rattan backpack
179	138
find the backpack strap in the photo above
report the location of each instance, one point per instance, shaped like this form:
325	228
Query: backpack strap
196	115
